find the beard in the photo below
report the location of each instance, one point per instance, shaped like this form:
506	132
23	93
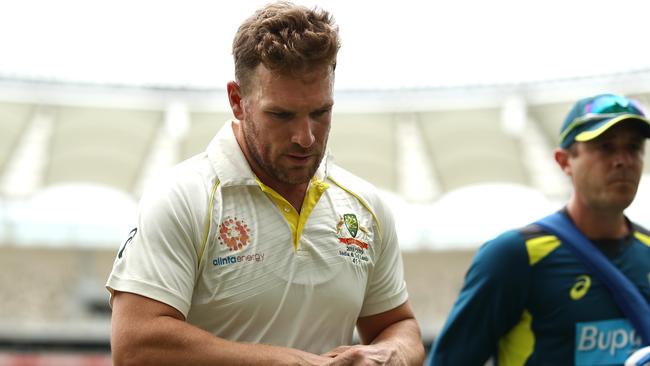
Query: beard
262	155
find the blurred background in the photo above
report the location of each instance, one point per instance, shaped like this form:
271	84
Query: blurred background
451	108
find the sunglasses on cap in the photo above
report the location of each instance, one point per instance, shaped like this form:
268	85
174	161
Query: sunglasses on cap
602	107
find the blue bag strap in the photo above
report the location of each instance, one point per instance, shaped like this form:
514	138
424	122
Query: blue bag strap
625	293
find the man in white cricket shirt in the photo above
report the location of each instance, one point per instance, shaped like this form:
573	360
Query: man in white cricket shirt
260	250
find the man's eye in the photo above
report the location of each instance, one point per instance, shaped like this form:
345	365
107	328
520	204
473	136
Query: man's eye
320	113
606	147
636	147
280	115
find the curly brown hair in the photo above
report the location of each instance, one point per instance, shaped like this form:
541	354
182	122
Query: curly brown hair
287	39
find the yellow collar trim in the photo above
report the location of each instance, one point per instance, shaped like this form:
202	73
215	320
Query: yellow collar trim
296	220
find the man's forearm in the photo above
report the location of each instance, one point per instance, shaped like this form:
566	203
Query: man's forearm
169	341
404	337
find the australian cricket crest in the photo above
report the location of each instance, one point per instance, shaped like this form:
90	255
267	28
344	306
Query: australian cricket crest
356	240
351	224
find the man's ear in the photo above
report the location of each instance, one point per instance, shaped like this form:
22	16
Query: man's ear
562	158
235	99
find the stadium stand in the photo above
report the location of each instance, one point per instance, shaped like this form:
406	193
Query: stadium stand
366	144
119	138
14	117
470	146
97	145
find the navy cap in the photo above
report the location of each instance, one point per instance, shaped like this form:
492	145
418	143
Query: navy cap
592	116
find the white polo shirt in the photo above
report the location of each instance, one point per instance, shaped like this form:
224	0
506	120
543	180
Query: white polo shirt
239	261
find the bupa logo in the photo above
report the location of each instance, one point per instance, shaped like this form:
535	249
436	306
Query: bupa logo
606	342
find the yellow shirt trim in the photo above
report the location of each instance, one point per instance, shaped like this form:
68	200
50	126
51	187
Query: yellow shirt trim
517	346
208	221
362	203
296	221
540	247
645	239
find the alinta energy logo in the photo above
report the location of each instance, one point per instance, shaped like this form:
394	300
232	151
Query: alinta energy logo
579	290
234	233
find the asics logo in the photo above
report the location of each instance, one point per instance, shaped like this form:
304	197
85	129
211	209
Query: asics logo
579	290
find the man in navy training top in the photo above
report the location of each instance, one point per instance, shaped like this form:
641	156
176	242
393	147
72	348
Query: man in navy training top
526	299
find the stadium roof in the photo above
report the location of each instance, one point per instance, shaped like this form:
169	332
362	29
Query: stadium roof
74	158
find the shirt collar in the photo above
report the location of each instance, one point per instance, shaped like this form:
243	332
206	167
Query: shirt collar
231	165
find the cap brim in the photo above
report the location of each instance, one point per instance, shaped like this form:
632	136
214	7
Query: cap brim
600	127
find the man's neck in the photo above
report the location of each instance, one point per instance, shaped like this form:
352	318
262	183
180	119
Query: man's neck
293	193
598	224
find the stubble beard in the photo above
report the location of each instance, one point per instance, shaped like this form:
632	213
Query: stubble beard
610	199
258	152
622	196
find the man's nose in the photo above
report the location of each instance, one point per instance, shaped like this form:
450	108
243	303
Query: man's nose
625	157
302	133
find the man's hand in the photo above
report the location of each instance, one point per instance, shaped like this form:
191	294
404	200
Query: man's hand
366	355
390	338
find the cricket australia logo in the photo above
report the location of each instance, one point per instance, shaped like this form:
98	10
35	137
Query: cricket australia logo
234	233
351	224
357	241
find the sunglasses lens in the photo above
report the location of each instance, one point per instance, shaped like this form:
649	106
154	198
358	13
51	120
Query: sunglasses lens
613	104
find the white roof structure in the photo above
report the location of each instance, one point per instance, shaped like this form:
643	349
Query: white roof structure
74	158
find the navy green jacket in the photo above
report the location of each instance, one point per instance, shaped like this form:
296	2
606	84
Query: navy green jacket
527	300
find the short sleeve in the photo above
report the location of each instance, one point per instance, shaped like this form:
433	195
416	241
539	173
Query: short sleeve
386	287
159	260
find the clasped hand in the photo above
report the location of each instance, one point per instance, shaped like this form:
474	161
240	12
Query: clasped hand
364	355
